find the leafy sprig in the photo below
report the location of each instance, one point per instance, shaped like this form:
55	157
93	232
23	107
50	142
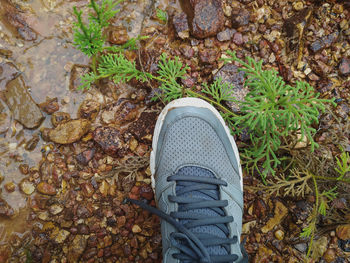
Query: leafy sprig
162	15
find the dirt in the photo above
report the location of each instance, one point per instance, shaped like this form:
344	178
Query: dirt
62	199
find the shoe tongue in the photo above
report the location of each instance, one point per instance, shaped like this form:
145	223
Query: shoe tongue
208	229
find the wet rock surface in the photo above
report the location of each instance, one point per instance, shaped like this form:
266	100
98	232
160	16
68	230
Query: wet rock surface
70	131
109	139
208	18
21	104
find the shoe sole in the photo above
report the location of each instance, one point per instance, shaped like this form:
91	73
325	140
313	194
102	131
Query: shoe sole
188	102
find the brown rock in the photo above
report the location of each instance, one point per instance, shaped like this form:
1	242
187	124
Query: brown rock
144	125
324	42
46	188
8	72
136	229
225	35
24	169
59	117
208	56
85	156
110	140
279	213
10	187
89	109
120	112
17	20
118	35
49	106
5	209
83	212
27	187
208	18
76	248
343	232
70	131
240	17
181	25
88	189
344	66
238	39
21	104
330	255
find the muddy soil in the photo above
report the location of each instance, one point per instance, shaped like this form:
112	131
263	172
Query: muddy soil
69	161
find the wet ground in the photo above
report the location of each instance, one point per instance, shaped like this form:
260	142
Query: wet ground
70	207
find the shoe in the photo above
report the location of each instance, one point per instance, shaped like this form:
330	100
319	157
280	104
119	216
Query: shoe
197	179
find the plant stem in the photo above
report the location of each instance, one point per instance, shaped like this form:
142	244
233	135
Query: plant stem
93	64
313	222
346	180
190	92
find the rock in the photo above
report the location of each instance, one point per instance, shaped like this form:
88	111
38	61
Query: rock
104	187
344	66
208	18
208	56
55	209
301	247
59	117
76	248
279	213
279	234
50	105
85	156
5	209
69	132
264	254
46	188
247	226
88	189
83	229
118	35
225	35
24	169
110	140
22	105
144	125
136	229
330	255
238	39
319	248
10	187
343	232
324	42
8	72
75	75
83	212
27	187
186	50
120	112
17	20
89	109
5	53
181	25
32	143
240	17
229	74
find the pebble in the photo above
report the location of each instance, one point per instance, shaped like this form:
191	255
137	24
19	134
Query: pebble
46	188
69	132
76	248
240	17
238	38
279	234
55	209
344	66
280	212
27	187
343	232
10	187
225	35
136	229
181	25
330	255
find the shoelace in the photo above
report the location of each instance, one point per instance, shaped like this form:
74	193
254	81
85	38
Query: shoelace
193	246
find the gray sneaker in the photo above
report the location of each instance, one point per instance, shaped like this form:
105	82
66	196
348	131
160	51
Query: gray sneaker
198	185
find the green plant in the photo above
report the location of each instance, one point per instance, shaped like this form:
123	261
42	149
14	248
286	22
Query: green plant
271	110
162	15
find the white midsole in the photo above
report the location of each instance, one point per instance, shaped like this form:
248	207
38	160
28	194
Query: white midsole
186	102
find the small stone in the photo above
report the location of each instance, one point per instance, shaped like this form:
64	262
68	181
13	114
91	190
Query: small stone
136	229
279	213
46	188
186	50
83	212
109	139
225	35
43	215
133	144
89	109
343	232
208	56
240	17
10	187
324	42
344	66
55	209
69	132
5	209
104	187
59	117
330	255
121	220
61	236
238	39
83	229
85	156
88	189
301	247
181	25
279	234
298	6
208	18
49	106
144	125
24	169
247	226
118	35
76	248
27	187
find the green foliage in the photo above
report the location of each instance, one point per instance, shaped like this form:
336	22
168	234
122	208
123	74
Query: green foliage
220	91
169	71
162	15
88	38
343	165
272	110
